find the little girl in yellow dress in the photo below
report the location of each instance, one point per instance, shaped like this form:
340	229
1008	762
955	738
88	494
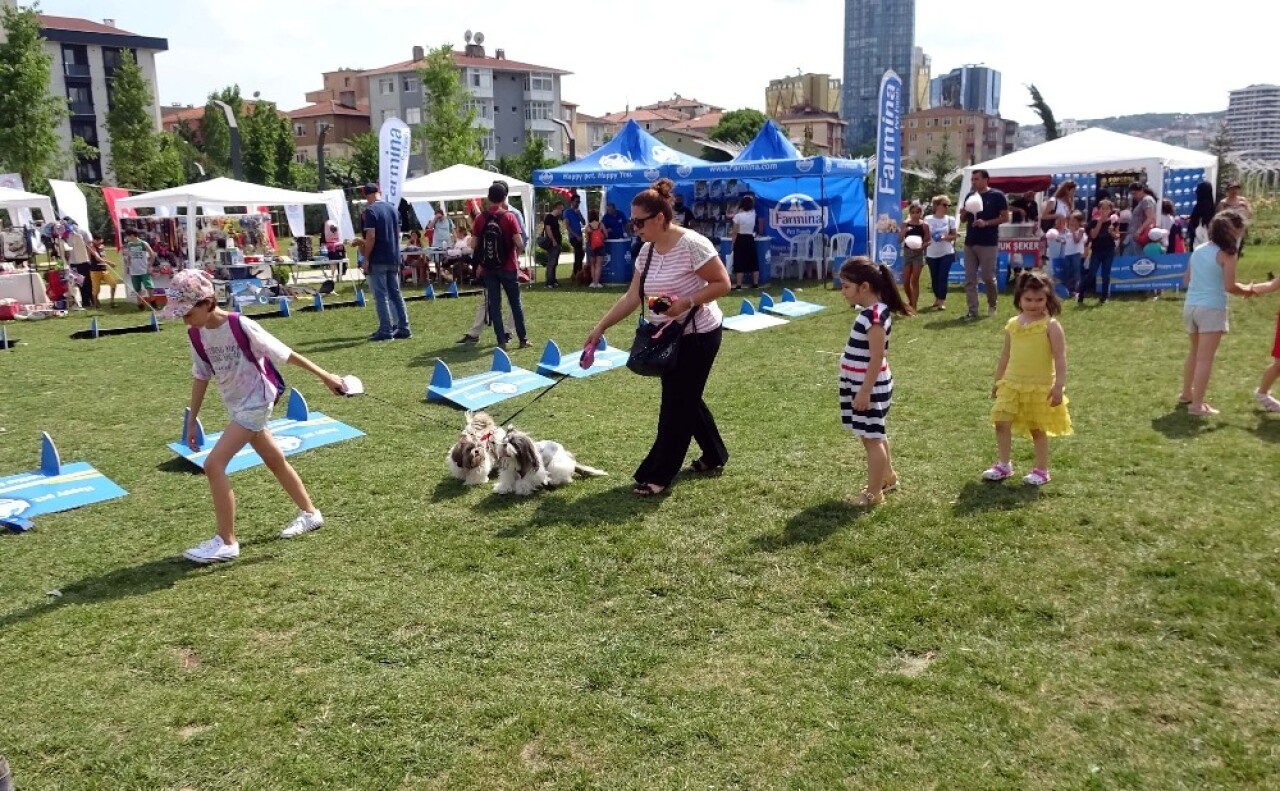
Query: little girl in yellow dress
1030	378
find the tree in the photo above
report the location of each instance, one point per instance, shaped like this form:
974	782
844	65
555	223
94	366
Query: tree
257	143
448	132
1046	115
215	135
739	126
29	115
1221	147
360	167
532	157
940	167
135	144
285	153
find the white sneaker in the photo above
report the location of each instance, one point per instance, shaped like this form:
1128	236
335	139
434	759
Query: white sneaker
1266	401
303	523
991	313
998	472
1037	477
213	551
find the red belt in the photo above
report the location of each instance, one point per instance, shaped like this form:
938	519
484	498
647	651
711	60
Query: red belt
852	369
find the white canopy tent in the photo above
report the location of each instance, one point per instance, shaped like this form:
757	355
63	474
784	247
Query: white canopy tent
463	182
1097	151
13	199
216	192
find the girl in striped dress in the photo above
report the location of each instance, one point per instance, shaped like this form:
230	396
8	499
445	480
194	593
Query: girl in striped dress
866	383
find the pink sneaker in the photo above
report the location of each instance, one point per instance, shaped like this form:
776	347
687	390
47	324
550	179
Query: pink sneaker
1037	477
998	472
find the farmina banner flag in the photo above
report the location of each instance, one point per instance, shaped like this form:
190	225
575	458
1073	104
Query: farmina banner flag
393	159
888	176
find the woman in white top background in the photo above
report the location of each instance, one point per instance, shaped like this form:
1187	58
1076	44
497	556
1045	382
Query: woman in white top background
940	255
684	267
745	227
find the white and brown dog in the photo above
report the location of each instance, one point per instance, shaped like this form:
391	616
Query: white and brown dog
473	458
524	466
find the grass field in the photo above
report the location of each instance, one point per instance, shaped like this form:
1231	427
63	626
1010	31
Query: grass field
1117	629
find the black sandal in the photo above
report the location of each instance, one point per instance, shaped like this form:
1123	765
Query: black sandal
648	490
700	467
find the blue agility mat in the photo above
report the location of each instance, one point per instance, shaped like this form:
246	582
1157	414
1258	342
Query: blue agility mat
503	381
750	321
52	488
299	430
554	363
789	306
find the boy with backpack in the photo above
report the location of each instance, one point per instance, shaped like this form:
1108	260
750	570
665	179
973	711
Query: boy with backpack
498	245
241	357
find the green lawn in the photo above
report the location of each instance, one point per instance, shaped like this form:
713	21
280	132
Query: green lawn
1117	629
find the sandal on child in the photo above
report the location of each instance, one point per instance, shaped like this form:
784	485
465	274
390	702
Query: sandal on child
648	490
890	485
866	500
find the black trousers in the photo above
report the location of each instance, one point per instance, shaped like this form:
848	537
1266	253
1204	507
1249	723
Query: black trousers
684	416
87	298
579	254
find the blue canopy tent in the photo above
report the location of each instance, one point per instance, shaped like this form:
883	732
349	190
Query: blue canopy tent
633	158
798	195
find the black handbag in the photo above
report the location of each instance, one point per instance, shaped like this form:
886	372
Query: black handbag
656	347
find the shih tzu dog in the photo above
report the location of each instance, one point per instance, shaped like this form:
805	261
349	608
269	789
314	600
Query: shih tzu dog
474	456
524	466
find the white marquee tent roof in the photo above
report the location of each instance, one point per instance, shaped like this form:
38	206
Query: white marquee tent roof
461	182
219	192
20	199
1094	151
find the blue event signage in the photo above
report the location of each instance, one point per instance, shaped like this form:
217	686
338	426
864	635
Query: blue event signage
54	487
888	177
1149	272
300	430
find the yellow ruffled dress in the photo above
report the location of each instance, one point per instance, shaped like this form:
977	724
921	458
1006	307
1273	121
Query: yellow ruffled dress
1022	396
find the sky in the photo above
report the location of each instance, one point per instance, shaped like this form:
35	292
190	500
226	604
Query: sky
631	53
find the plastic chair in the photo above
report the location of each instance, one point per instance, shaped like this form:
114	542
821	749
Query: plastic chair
840	248
801	249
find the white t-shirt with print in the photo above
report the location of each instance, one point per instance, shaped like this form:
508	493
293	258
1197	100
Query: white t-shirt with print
1069	244
242	386
676	274
940	225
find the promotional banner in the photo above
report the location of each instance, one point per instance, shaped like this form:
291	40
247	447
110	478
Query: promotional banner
297	219
335	200
423	211
393	159
888	176
111	195
70	201
1149	272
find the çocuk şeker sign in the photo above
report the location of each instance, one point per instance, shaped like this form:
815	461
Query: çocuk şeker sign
888	186
393	158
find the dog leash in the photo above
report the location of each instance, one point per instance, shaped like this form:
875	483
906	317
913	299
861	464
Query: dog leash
451	426
534	401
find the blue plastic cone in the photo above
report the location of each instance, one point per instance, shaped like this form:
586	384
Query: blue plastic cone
155	321
318	303
93	326
360	297
285	310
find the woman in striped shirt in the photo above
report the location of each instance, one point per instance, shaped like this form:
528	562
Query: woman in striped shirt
865	397
682	266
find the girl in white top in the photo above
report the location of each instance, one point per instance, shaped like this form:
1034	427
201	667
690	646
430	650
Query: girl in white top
745	258
940	255
684	274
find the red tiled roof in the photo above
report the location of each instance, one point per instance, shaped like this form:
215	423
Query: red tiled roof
326	108
640	116
172	115
676	102
77	25
705	122
462	60
592	119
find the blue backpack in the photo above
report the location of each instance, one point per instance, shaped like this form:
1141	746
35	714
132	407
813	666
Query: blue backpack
265	366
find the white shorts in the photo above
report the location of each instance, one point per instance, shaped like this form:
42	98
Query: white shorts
253	419
1199	320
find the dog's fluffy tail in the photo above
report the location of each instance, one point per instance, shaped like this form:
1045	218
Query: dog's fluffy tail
588	472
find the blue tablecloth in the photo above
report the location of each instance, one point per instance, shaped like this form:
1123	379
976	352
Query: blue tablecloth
617	262
763	247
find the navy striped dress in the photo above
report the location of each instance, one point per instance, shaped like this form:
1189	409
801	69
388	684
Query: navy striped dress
853	372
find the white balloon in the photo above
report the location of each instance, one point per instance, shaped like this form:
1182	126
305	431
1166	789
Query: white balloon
1052	234
914	242
1157	234
973	204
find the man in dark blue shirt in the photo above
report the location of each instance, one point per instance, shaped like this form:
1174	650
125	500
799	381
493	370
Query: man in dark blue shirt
614	223
574	220
381	248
